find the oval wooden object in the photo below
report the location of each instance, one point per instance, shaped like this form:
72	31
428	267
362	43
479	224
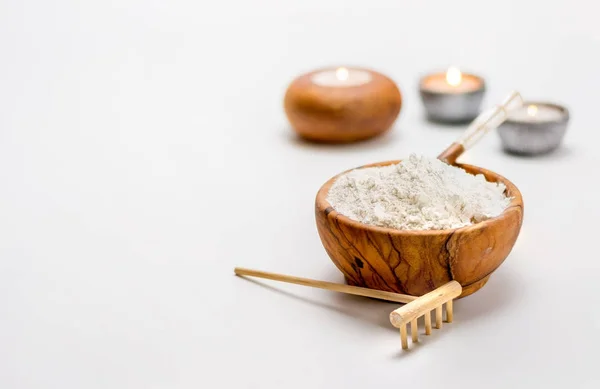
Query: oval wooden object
417	262
342	114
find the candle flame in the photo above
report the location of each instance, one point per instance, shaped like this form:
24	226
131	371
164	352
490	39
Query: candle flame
341	74
453	76
532	110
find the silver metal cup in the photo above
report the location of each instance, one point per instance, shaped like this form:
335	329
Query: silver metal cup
452	107
533	138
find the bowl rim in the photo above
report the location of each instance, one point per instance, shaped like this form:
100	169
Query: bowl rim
323	205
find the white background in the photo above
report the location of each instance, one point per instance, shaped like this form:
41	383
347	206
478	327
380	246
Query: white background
144	153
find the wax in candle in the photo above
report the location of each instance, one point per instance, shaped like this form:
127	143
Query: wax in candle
451	82
342	77
534	113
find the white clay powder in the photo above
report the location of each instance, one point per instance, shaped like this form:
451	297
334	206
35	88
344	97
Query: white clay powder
419	193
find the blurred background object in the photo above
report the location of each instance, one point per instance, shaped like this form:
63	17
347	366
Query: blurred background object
536	128
341	105
452	97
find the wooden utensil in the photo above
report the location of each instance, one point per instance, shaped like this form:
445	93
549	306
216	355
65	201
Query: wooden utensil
423	306
415	306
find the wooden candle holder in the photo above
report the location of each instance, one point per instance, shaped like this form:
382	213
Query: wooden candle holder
342	114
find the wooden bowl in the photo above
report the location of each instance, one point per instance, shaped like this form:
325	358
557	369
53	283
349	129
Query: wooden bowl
342	114
416	262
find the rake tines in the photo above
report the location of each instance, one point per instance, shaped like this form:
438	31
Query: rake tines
415	306
423	306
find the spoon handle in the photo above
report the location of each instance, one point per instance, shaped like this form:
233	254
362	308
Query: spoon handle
485	122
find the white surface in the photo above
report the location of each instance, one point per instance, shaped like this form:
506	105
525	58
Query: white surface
144	153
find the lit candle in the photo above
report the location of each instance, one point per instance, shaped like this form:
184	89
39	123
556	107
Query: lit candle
537	113
342	77
535	128
453	81
452	96
340	105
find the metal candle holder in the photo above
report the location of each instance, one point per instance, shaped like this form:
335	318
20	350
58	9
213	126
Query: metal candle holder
533	137
452	105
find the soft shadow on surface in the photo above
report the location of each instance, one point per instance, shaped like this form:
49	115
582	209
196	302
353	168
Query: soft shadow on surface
377	142
451	125
498	294
424	340
502	289
354	307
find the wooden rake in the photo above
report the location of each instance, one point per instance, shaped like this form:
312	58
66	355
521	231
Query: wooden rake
414	307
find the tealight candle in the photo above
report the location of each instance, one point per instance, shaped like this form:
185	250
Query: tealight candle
342	77
342	104
534	113
535	128
452	96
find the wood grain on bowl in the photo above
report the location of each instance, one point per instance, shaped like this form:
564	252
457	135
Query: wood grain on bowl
416	262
